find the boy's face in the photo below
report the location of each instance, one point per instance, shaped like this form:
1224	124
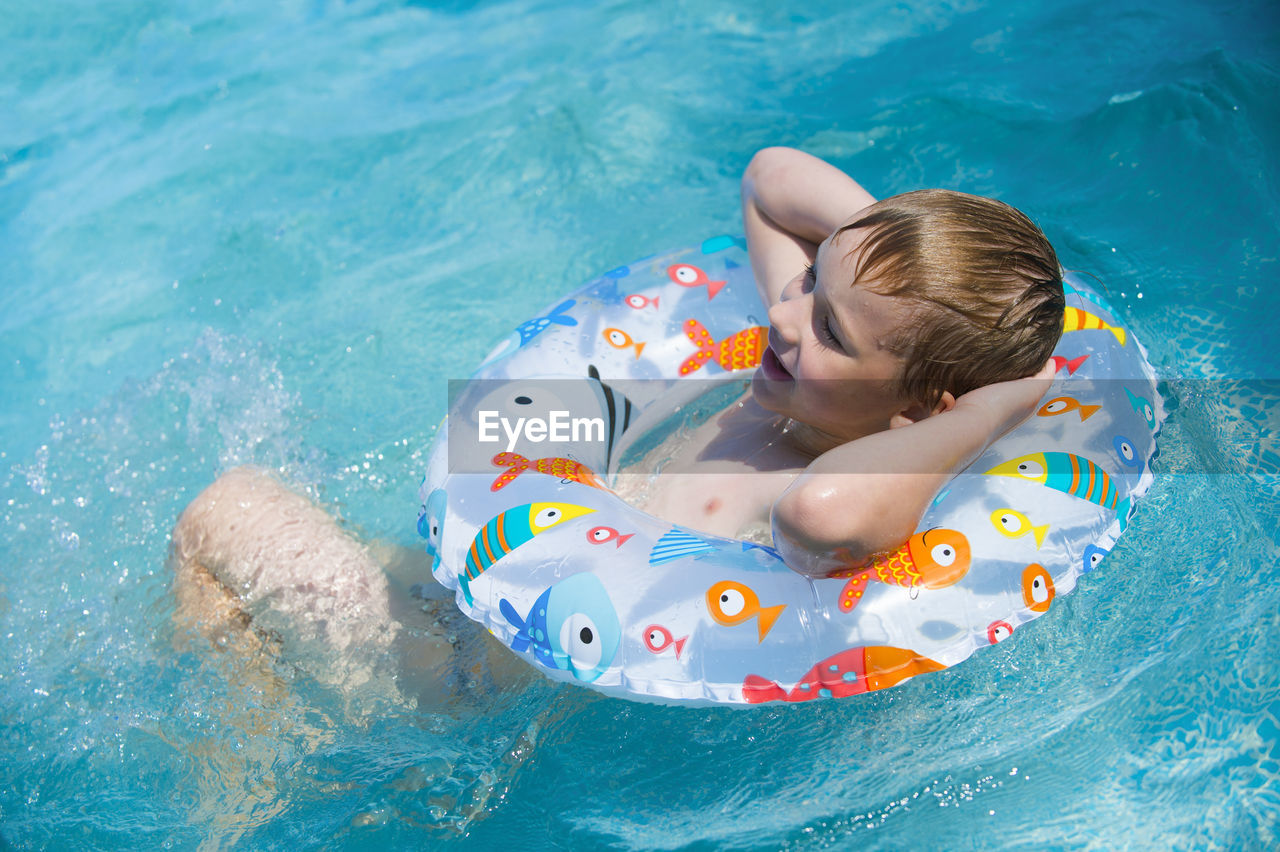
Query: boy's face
826	364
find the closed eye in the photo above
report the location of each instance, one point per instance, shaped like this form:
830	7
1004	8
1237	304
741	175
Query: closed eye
810	278
828	335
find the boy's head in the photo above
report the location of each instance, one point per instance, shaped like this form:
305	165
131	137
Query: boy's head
982	287
919	296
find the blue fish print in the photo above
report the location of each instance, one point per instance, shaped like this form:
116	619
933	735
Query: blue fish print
722	242
1143	407
572	627
431	520
1124	450
529	329
1092	556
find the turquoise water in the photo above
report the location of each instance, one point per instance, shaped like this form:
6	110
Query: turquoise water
235	232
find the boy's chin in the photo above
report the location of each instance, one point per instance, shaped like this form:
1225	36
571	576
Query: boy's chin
769	396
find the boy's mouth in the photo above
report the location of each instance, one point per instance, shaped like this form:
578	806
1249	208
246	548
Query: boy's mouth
772	367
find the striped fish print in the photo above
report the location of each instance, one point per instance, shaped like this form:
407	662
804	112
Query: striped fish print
617	410
507	531
676	544
1074	319
1070	474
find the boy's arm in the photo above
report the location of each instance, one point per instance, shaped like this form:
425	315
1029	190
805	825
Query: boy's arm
867	496
791	202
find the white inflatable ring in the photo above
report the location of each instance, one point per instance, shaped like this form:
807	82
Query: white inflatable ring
593	591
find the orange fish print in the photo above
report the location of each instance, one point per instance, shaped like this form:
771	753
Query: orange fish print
1037	588
619	339
934	559
731	603
1063	404
740	351
566	469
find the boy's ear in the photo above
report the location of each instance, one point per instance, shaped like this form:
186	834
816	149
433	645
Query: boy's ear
918	411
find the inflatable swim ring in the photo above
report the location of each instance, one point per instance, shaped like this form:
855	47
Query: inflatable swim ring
517	509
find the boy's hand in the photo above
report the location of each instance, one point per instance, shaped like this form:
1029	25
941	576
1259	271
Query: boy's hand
791	202
1006	404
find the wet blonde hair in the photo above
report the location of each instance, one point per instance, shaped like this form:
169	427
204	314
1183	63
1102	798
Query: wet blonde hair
983	285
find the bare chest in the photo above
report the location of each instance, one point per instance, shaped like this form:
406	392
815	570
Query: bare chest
735	505
723	479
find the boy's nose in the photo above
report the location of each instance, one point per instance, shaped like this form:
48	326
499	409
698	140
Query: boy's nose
794	288
783	319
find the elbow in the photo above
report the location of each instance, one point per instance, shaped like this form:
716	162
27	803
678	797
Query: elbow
815	522
807	517
814	525
766	165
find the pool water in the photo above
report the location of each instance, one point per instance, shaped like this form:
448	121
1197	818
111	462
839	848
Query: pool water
238	232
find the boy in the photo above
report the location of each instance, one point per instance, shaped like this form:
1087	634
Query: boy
903	340
899	340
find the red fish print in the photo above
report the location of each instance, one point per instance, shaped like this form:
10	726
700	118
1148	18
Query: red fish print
1072	365
639	302
691	276
601	535
850	672
740	351
658	639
